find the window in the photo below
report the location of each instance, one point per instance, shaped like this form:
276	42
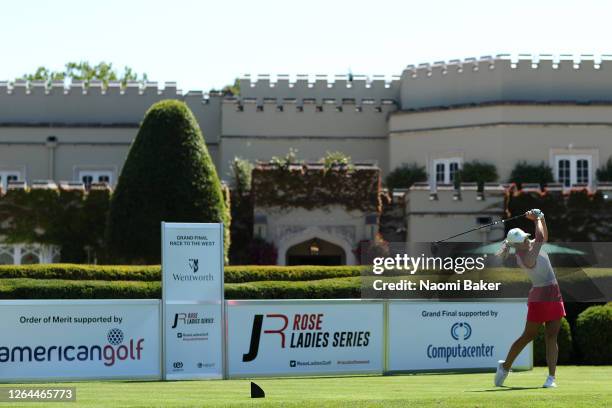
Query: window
88	177
445	170
573	169
6	176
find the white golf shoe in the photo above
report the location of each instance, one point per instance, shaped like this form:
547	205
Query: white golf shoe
550	382
500	374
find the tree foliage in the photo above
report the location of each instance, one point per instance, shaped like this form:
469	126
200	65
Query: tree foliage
241	211
604	173
525	172
232	90
336	159
477	172
241	175
405	176
85	71
579	216
168	176
71	219
229	90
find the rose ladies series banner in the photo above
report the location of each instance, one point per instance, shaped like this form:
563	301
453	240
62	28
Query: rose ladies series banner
311	337
192	287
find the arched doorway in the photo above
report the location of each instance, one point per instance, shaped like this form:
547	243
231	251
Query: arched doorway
315	251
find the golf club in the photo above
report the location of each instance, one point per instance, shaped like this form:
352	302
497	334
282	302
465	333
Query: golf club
481	227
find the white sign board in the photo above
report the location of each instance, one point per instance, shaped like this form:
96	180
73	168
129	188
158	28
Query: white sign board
454	335
270	338
79	339
194	341
192	286
192	262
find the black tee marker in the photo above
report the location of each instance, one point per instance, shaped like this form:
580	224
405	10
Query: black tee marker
256	391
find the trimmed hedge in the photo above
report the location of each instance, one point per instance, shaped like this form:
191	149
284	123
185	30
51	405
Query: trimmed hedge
233	274
594	334
78	272
168	176
337	288
564	341
241	274
24	288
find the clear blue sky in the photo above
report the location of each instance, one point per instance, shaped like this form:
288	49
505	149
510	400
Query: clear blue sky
204	44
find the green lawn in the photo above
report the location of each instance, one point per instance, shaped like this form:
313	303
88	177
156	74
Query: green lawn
584	386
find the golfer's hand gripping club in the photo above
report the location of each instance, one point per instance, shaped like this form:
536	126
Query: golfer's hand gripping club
535	214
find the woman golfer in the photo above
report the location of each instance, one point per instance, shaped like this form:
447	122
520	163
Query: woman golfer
544	304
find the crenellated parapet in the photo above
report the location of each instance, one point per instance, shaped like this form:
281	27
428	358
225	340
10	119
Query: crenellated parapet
533	78
310	105
320	88
78	103
248	117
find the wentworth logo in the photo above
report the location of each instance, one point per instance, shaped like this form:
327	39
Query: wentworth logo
194	265
184	277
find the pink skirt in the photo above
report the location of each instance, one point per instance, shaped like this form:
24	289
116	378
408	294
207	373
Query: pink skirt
545	304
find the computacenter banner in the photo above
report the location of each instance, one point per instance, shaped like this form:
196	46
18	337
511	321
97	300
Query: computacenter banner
285	338
193	301
436	336
79	339
472	270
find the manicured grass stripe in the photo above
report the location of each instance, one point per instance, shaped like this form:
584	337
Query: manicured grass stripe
585	387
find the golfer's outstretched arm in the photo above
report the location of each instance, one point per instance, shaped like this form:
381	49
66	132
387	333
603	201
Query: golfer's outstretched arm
541	232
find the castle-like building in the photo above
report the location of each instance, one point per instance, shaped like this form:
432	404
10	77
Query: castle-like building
501	110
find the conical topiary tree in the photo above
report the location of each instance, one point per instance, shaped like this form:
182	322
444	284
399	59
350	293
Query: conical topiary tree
168	176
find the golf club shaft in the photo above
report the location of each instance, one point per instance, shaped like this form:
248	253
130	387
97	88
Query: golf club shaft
481	227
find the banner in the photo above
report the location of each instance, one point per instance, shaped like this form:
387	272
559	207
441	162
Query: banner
269	338
194	341
79	339
454	335
192	290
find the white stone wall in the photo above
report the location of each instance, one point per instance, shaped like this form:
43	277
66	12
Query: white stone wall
501	134
288	227
433	218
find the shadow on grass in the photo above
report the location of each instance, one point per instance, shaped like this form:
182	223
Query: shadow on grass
508	389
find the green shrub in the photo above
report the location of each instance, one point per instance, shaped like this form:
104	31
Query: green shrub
22	288
405	176
241	274
233	274
477	172
524	172
594	335
241	211
81	281
604	173
580	216
77	289
82	272
68	218
168	176
338	288
564	341
335	159
241	174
